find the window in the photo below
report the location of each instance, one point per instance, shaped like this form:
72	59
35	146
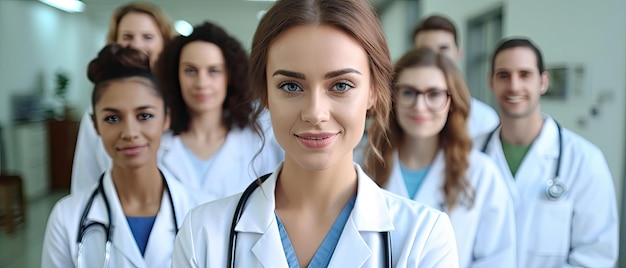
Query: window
483	33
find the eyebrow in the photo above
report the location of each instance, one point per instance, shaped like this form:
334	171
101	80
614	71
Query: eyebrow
140	108
326	76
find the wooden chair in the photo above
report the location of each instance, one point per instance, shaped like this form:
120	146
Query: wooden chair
12	190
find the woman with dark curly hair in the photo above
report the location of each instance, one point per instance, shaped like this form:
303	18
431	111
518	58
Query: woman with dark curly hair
211	144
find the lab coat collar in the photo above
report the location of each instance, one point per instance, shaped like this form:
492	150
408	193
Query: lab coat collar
431	190
370	214
170	154
161	240
123	239
368	207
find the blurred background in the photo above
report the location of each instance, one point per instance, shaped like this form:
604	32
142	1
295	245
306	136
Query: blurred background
44	89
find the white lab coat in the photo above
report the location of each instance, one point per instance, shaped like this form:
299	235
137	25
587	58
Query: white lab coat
421	236
485	234
90	157
482	118
581	230
60	247
231	173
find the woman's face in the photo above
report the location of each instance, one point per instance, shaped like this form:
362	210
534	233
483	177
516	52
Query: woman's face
130	118
203	78
319	90
140	31
422	102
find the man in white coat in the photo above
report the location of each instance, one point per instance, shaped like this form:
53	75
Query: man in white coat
560	183
439	34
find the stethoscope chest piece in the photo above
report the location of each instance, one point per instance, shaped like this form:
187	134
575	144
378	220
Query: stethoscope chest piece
555	189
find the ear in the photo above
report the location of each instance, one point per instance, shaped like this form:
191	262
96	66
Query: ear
373	97
545	82
490	79
95	123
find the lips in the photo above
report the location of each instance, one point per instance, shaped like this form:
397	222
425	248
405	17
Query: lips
514	99
418	119
316	140
202	97
131	150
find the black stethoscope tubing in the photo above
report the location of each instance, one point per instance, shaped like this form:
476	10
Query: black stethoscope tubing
83	227
555	182
232	239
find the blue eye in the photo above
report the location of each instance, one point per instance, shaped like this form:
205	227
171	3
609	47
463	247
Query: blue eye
144	116
189	71
290	87
112	119
342	87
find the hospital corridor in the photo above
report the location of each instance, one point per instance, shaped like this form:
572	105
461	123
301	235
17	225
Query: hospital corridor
317	133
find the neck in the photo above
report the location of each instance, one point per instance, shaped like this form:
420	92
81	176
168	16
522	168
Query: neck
418	153
207	126
138	186
317	190
521	131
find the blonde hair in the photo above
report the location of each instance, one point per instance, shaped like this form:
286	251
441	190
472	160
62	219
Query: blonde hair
162	21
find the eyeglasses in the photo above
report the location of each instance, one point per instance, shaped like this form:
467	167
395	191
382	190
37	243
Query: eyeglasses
436	99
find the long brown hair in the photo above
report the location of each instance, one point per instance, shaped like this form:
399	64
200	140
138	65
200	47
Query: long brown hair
453	138
162	21
355	18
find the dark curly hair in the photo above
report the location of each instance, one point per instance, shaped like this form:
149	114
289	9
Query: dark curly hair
115	62
237	106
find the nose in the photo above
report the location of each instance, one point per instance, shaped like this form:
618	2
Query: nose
136	43
130	130
316	107
420	102
516	83
202	80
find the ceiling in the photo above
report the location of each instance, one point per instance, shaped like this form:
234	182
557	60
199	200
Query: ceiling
95	6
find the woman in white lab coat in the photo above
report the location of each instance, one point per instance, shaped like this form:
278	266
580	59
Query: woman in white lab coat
211	145
138	205
140	25
430	159
320	67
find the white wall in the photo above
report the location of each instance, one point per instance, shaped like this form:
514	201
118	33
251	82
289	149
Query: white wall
39	40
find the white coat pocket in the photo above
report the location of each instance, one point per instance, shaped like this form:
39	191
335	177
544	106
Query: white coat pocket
550	232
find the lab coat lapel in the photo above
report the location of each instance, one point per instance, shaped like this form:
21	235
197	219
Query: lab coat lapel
396	181
540	161
259	217
494	150
369	217
161	241
173	159
431	190
123	240
218	176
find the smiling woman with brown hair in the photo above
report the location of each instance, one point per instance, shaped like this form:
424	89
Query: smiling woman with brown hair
320	67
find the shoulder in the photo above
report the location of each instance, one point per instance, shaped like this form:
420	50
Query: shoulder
408	212
578	144
70	207
214	215
480	163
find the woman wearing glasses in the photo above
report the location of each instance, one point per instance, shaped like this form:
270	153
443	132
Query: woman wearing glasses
431	160
131	216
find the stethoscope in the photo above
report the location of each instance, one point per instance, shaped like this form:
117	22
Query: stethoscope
108	229
232	240
554	189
